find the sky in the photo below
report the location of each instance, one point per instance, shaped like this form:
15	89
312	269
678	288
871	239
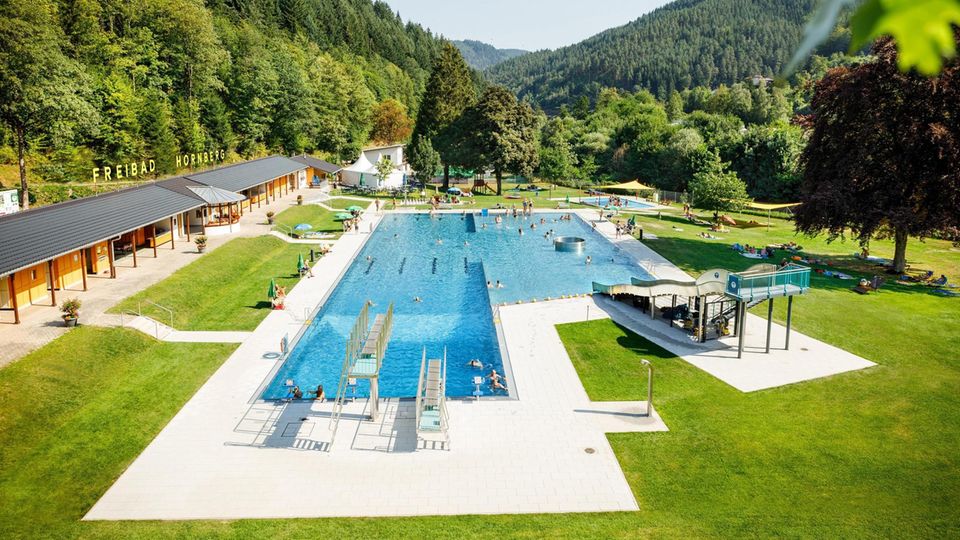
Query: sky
522	24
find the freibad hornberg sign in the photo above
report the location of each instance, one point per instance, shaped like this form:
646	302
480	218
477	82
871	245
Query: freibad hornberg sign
134	169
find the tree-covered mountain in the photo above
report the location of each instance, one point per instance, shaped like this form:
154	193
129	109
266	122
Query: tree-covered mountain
480	55
99	82
681	45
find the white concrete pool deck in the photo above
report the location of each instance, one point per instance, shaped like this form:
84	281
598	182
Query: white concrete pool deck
225	455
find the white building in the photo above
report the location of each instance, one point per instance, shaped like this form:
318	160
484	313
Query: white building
9	202
363	172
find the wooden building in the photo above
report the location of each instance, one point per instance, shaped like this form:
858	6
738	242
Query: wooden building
51	249
317	171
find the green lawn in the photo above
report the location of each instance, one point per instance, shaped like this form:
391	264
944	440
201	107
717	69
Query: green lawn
225	289
320	218
870	453
76	412
692	253
865	454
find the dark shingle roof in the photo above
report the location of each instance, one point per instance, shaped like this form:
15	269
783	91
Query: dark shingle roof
181	185
27	238
317	163
241	176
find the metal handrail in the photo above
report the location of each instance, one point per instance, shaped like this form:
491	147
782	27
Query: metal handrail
152	303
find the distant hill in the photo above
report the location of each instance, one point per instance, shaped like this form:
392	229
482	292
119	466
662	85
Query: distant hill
680	45
480	55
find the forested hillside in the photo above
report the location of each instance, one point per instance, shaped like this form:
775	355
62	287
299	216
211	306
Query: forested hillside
480	55
91	82
681	45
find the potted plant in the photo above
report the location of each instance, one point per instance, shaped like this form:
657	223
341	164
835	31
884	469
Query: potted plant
70	310
299	200
270	215
201	242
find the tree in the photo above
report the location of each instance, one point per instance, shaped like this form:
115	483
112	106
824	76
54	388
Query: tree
157	127
43	90
384	168
718	191
423	159
557	160
498	132
449	92
767	158
884	154
390	122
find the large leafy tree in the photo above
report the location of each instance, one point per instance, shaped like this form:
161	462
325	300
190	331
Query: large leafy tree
557	160
390	122
43	91
498	132
450	90
884	153
719	191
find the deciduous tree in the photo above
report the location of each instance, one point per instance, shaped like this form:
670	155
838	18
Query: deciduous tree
41	88
718	191
884	153
390	123
498	132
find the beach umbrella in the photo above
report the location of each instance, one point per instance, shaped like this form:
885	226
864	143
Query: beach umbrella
303	227
354	208
272	290
299	261
342	216
568	199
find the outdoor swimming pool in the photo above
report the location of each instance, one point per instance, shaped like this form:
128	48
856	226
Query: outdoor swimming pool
628	203
446	261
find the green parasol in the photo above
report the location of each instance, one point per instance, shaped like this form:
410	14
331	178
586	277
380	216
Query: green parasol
342	216
568	199
354	208
272	290
299	261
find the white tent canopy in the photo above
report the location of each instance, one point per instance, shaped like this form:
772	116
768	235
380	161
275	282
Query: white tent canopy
363	173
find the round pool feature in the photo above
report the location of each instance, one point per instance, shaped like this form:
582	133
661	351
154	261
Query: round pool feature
569	243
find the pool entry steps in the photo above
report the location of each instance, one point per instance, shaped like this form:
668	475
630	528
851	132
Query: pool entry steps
432	419
365	349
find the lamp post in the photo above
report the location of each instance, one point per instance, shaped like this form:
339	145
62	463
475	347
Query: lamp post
649	386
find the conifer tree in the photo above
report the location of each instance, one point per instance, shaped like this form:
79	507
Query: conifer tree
449	92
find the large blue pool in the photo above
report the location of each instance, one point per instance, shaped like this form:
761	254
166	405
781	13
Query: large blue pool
627	203
403	259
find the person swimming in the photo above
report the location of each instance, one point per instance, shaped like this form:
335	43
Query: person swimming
489	285
475	363
417	299
520	231
439	241
589	259
497	382
499	285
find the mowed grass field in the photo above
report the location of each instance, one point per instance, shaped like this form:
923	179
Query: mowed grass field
321	219
225	289
864	454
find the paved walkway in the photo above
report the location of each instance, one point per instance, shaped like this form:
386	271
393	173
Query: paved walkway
227	455
42	324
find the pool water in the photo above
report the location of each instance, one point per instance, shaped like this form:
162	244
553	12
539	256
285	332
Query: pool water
446	261
626	202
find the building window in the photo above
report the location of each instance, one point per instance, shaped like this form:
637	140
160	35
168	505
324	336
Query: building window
33	275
